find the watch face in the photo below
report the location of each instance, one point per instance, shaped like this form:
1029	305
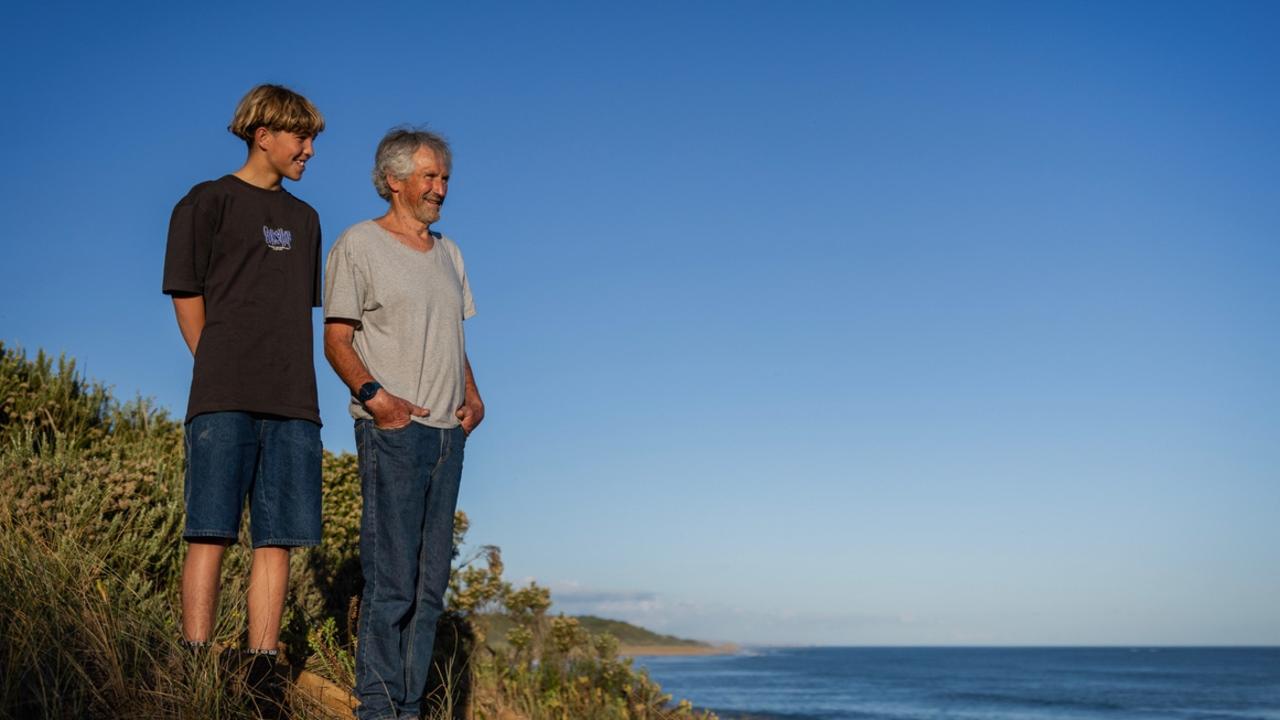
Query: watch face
367	391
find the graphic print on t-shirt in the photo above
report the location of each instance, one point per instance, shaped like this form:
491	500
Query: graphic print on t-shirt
277	238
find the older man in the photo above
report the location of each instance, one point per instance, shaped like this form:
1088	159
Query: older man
396	294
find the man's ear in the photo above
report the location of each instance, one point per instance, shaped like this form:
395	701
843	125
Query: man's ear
393	183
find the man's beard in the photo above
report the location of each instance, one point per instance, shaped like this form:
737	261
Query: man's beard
428	212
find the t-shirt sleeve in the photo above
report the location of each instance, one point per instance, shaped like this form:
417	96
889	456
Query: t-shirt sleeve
468	302
190	245
344	286
317	289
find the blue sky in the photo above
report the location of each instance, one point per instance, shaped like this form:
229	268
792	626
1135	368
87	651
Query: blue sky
839	323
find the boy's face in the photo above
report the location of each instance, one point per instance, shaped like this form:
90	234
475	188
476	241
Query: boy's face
288	152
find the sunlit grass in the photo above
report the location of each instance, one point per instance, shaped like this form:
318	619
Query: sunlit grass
90	556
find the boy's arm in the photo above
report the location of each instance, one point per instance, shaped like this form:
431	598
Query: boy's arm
190	312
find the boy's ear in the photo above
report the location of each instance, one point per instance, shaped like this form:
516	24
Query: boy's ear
261	137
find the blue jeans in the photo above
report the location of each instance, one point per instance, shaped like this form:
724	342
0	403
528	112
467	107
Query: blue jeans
409	480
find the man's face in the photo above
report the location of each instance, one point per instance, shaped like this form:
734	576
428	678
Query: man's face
289	152
423	192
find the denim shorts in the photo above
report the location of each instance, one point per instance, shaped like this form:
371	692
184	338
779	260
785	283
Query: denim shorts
273	461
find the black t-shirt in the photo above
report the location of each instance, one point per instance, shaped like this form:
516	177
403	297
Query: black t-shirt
254	255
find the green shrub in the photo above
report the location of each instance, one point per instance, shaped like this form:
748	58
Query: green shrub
90	560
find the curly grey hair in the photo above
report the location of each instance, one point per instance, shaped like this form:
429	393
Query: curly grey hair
395	155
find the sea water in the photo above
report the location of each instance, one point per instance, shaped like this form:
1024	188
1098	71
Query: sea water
979	683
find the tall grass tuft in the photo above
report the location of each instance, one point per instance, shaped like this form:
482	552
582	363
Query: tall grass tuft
90	558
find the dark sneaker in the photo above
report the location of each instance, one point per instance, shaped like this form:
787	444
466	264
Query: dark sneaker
265	684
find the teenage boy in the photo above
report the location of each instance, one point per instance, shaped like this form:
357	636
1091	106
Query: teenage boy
243	269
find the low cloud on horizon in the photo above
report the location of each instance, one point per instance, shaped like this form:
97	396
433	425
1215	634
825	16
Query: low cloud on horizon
721	623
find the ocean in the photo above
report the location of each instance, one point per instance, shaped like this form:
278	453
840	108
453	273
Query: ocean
979	683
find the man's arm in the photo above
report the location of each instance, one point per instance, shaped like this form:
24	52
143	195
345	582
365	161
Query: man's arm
190	312
388	411
471	412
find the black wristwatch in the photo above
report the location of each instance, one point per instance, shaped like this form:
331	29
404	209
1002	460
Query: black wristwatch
367	391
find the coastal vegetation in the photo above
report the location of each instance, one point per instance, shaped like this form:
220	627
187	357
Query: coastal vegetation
634	636
90	554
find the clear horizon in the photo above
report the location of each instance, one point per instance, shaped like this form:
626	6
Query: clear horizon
853	324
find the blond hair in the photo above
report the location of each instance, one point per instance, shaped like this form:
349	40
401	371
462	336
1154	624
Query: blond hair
275	108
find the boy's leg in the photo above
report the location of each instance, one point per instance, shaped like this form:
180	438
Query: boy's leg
284	512
221	454
201	572
268	585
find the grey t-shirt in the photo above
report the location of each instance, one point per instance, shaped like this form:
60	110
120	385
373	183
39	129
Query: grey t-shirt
410	306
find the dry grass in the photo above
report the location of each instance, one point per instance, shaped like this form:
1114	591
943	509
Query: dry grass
90	555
